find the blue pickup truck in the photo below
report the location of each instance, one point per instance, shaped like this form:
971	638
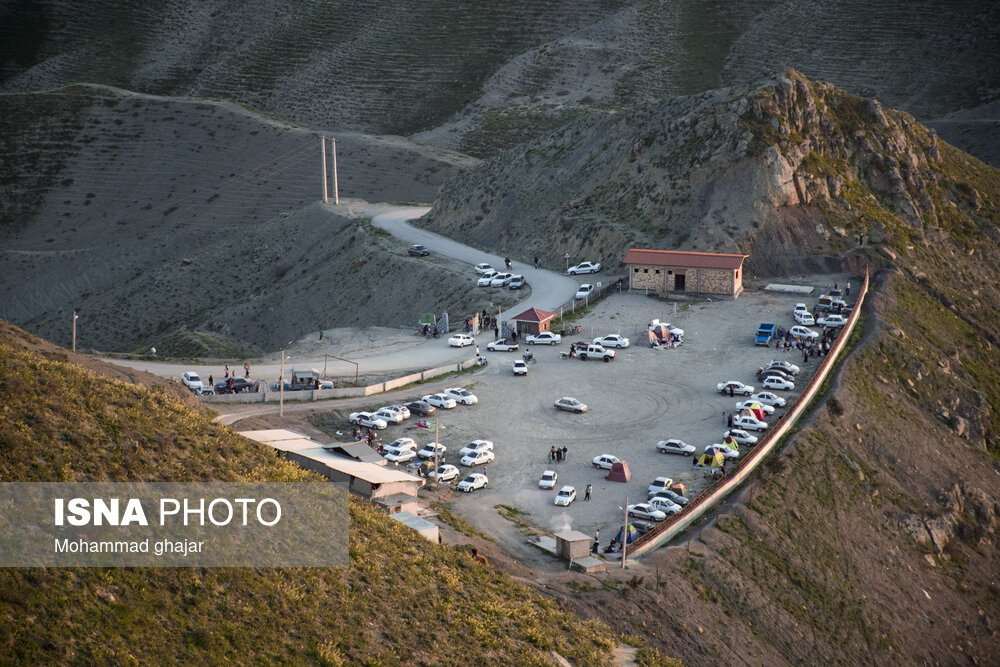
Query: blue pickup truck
765	333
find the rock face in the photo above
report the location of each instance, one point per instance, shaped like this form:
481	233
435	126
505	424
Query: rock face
969	514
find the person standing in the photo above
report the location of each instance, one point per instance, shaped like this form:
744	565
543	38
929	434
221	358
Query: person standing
477	350
586	494
724	416
246	369
210	383
496	332
227	371
847	289
565	451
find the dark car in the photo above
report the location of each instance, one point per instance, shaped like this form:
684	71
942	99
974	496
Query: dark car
239	385
417	250
672	496
421	408
774	372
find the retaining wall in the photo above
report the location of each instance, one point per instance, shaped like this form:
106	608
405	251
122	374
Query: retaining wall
710	497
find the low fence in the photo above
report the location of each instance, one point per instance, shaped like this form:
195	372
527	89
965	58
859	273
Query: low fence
273	396
707	500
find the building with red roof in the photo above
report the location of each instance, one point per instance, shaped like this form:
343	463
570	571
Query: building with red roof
533	321
666	271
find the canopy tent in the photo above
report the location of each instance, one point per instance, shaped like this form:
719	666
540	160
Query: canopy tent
619	472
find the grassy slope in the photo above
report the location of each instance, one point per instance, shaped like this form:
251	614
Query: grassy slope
434	605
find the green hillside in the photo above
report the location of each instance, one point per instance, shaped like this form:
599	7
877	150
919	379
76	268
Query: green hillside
402	600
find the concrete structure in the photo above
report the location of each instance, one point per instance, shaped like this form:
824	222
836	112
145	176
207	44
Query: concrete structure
533	321
664	271
359	451
572	544
422	526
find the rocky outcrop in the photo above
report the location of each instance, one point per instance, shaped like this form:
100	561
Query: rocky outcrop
968	514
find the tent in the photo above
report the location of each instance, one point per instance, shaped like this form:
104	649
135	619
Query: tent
716	450
757	411
633	535
660	331
619	473
712	458
679	488
730	441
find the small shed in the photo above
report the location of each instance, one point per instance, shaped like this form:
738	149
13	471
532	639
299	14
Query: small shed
572	544
663	271
619	472
424	527
533	321
305	379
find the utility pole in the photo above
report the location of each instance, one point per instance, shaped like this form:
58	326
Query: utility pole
437	426
336	190
75	316
625	534
323	150
281	385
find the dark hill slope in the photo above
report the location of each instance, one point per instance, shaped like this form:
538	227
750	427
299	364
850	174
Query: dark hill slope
398	592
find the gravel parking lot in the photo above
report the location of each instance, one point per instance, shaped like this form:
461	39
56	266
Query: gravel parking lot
643	396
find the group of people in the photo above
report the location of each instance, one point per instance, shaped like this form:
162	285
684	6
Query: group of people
246	372
557	454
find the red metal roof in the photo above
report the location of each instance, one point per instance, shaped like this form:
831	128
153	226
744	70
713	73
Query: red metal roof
534	315
693	260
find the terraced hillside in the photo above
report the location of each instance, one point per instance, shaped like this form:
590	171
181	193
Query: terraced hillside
153	215
77	426
493	75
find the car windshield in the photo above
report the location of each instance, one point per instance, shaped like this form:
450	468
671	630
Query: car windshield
469	480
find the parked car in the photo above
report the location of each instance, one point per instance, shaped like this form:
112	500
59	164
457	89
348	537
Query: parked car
397	455
774	382
773	372
767	398
417	250
665	505
749	423
367	419
421	408
768	409
445	473
544	338
614	340
475	447
517	281
805	333
659	484
566	495
727	451
832	321
570	404
427	451
675	447
605	461
501	279
804	317
192	381
584	291
782	365
239	385
740	436
463	396
440	401
389	416
478	458
474	481
206	391
672	496
483	268
461	340
403	443
584	267
736	387
646	511
800	308
520	368
548	479
401	409
502	345
594	351
486	278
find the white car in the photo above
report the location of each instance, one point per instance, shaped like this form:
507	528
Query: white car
402	443
774	382
584	267
401	409
501	279
584	291
461	340
570	404
614	340
389	416
566	495
397	455
440	401
740	436
427	451
737	387
445	473
767	398
463	396
367	419
805	317
675	447
486	279
475	447
548	480
520	368
782	365
474	481
665	505
544	338
727	451
768	409
749	423
502	345
646	511
605	461
478	458
832	321
192	381
799	331
659	484
484	268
